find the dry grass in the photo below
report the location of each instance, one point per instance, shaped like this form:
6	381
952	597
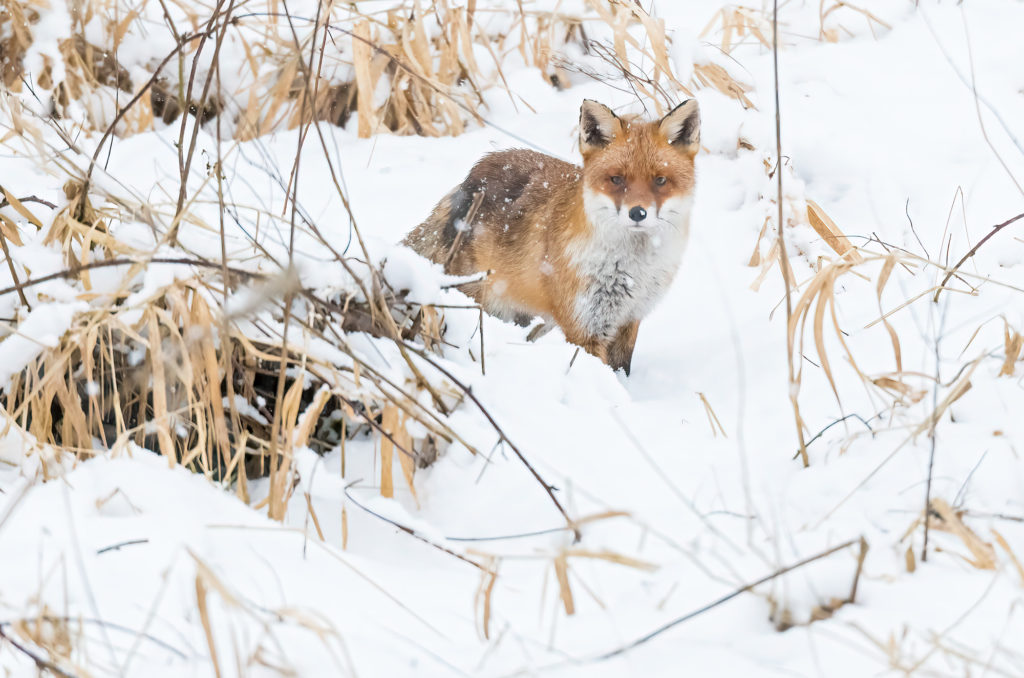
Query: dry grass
898	395
422	68
736	25
162	378
176	375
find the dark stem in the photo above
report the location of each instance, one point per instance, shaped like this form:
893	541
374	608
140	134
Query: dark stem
14	271
860	569
413	533
32	198
120	545
185	164
971	252
494	424
726	598
783	261
931	452
41	663
72	272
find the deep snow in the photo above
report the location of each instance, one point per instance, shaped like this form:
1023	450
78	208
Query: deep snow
876	129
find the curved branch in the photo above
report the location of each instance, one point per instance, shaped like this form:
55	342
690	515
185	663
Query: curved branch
971	252
743	589
41	663
494	424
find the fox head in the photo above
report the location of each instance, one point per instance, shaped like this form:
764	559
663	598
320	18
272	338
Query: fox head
638	175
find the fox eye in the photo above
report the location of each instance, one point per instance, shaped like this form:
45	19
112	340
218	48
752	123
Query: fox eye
617	179
660	181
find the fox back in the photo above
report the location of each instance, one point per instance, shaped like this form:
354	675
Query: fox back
591	248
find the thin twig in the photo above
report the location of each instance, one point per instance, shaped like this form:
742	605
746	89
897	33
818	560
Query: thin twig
41	663
120	545
14	271
977	109
906	210
279	467
185	164
55	619
73	272
978	97
931	434
971	252
860	569
783	261
724	599
686	501
837	421
501	433
413	533
518	535
355	406
79	561
228	460
997	516
30	198
483	360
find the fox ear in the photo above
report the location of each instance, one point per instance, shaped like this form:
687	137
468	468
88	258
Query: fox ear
598	126
682	127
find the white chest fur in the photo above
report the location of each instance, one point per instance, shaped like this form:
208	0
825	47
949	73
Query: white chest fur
626	269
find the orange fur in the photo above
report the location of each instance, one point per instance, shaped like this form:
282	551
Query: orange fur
559	241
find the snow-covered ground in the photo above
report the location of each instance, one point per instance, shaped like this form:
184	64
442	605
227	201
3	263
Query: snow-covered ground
882	130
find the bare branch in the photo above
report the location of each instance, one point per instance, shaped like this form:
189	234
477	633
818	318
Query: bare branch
971	252
726	598
41	663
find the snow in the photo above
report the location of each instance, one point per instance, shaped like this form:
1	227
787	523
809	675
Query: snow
877	128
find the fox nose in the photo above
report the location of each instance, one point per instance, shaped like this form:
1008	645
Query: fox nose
637	213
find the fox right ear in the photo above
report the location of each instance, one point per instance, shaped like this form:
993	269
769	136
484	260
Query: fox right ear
598	126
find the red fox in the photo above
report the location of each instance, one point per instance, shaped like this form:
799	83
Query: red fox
592	248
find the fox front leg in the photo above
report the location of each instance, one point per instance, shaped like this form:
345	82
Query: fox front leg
620	350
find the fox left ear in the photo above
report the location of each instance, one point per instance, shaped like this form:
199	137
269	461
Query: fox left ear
682	126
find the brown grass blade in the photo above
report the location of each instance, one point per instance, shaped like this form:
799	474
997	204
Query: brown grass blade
962	386
10	231
309	419
712	417
1013	342
365	82
831	234
204	618
484	595
20	208
564	591
883	278
612	557
157	364
389	422
1013	556
949	521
